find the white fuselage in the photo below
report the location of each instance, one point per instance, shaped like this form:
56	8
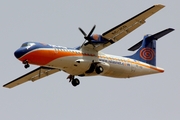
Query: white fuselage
114	66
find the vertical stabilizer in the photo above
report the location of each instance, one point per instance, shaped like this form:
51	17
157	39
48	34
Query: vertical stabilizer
147	48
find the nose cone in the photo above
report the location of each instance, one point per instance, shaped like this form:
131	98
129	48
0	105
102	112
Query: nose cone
19	53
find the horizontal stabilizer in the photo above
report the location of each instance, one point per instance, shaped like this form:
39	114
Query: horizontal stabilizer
155	37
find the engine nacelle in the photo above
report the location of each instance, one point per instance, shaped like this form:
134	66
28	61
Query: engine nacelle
98	39
83	64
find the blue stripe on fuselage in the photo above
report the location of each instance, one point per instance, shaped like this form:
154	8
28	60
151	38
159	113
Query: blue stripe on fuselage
24	50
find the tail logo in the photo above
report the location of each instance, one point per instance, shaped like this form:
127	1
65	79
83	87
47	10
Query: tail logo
147	54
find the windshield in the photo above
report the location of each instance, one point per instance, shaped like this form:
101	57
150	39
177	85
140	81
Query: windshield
27	44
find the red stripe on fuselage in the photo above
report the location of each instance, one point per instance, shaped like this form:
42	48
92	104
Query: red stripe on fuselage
44	56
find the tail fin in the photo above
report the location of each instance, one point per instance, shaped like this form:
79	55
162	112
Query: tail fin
147	47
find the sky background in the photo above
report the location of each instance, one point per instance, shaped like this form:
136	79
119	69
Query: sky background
151	97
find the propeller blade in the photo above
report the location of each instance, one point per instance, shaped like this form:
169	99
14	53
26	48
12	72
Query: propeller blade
83	32
87	37
91	31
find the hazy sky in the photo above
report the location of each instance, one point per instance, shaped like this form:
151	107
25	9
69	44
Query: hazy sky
151	97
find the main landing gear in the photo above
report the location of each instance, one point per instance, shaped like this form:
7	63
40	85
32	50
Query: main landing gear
74	81
99	69
26	64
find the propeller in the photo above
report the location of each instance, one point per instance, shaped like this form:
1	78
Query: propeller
87	37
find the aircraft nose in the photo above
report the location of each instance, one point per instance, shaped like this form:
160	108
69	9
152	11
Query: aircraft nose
19	52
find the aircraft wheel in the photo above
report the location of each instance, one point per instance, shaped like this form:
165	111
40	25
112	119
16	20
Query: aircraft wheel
99	69
75	82
26	66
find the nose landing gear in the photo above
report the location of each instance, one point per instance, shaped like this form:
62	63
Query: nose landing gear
26	64
74	81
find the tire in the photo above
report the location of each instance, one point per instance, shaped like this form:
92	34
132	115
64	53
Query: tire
26	66
75	82
99	69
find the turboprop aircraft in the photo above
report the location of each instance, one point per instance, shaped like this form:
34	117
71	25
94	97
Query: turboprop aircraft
88	60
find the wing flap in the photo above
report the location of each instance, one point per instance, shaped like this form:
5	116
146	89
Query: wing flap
32	76
127	29
118	37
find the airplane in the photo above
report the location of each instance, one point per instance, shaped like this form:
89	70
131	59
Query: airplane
88	60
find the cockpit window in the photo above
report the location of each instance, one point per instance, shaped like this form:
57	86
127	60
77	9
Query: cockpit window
27	44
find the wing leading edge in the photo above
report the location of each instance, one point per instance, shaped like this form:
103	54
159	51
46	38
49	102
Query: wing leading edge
32	76
121	30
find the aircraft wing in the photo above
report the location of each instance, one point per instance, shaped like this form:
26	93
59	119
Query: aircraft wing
121	30
32	76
